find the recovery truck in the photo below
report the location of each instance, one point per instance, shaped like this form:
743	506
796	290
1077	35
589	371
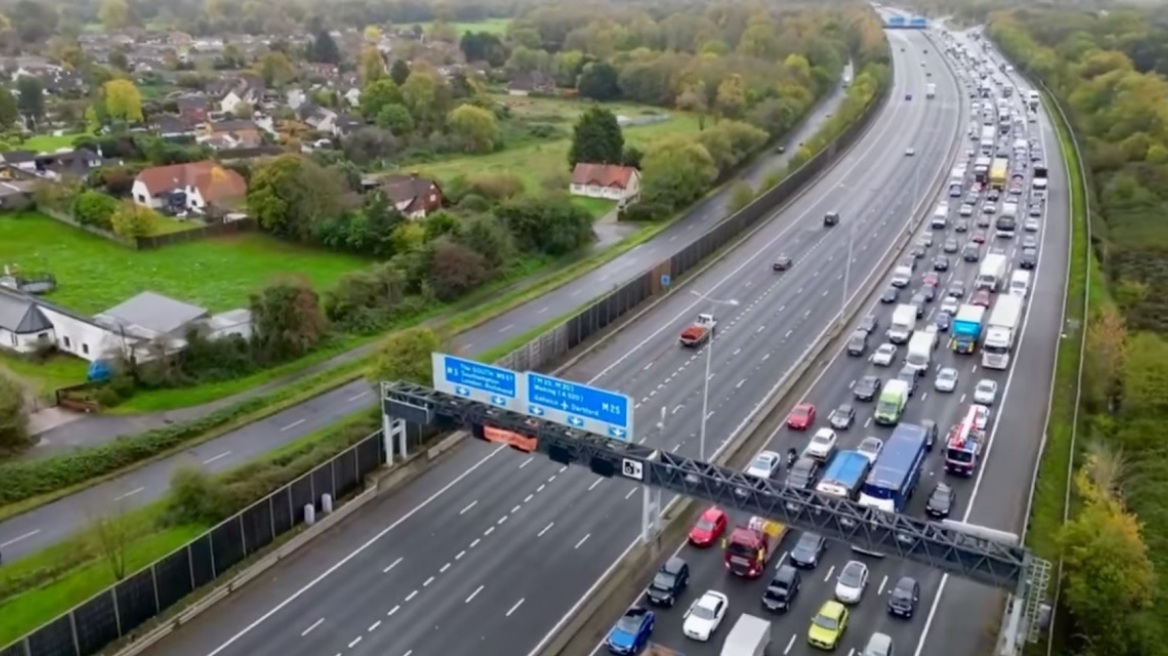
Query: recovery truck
751	636
966	328
963	445
931	91
1001	331
844	475
749	548
699	332
904	321
992	274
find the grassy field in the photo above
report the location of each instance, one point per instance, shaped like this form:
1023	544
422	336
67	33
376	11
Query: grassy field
47	142
492	26
45	377
534	162
95	274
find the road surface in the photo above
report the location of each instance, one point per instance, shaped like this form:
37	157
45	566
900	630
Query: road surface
54	522
488	551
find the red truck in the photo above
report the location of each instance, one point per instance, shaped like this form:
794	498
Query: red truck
699	332
748	549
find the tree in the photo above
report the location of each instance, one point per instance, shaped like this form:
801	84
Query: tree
93	208
369	144
676	172
420	96
405	355
275	68
371	66
596	139
549	224
399	72
486	235
114	15
395	118
483	46
13	416
290	194
741	194
287	320
693	99
111	532
123	102
378	94
454	269
599	81
242	110
475	128
323	49
371	33
8	111
731	99
133	220
31	100
34	22
1104	358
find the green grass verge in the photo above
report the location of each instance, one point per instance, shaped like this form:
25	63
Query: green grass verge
54	580
48	142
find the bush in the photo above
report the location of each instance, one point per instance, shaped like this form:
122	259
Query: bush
645	212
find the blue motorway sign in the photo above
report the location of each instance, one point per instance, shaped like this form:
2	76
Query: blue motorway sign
578	406
476	381
665	280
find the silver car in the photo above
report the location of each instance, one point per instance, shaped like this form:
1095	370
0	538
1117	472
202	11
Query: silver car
946	380
852	581
986	392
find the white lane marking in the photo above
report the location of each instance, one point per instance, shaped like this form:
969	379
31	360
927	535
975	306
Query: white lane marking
882	584
631	493
355	642
470	505
357	397
514	510
474	594
129	494
444	568
507	327
515	607
292	425
311	627
594	484
542	310
475	543
392	611
218	457
526	462
790	643
460	554
740	384
528	498
582	541
830	571
392	565
411	595
545	529
19	538
373	626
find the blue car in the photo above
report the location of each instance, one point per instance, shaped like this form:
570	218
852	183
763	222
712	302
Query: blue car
632	631
942	320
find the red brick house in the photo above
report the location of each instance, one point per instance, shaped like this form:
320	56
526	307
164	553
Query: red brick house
412	195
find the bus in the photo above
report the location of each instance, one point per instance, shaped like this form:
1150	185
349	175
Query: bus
998	172
895	473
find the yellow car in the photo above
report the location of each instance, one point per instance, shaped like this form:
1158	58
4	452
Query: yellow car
828	626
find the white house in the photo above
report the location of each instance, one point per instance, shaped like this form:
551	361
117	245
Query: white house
190	186
606	181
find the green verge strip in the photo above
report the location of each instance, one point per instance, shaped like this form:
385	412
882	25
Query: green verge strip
42	586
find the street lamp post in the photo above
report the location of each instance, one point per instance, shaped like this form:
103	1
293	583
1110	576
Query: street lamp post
706	382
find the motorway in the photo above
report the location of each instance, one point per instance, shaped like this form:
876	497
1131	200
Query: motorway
486	552
54	522
954	616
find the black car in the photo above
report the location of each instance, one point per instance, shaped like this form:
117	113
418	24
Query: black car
669	582
903	600
842	417
781	263
808	550
858	342
830	219
907	96
869	323
918	251
781	591
867	388
890	295
971	252
909	375
930	427
802	473
942	320
941	501
1029	258
940	263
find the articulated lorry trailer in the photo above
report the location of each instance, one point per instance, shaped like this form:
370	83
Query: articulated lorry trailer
1002	331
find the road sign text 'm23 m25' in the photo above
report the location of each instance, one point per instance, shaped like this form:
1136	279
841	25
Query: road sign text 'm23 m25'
579	406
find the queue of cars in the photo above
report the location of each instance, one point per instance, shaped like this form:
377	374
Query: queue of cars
960	239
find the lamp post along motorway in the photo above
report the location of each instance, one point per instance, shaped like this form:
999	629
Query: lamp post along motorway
706	383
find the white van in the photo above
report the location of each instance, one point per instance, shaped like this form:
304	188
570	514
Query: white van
879	644
1020	283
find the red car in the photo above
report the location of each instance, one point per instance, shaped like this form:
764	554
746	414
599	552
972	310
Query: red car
801	417
978	237
930	279
982	298
709	527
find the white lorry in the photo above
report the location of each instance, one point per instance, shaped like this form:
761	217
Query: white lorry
920	348
1032	100
904	321
901	276
1001	331
931	91
750	636
992	274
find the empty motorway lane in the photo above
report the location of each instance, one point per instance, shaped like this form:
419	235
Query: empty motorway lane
488	550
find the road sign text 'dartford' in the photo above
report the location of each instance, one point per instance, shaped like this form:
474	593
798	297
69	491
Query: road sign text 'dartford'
579	406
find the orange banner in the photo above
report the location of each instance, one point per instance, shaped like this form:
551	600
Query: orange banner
514	440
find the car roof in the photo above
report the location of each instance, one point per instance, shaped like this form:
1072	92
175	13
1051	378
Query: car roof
785	572
711	512
832	608
674	564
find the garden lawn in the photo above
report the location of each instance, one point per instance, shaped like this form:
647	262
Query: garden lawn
47	376
533	162
95	274
497	26
47	142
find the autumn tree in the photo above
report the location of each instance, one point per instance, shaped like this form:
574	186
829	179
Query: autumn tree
453	269
371	66
371	34
14	434
405	355
275	68
596	139
114	15
693	99
421	94
475	129
123	102
731	98
133	220
1104	357
399	72
287	320
741	195
291	194
676	171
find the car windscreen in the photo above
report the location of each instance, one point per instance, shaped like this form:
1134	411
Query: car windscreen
663	580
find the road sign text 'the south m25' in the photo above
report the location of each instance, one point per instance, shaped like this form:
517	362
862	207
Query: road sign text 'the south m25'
578	406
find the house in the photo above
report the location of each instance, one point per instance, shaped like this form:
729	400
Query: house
23	160
16	194
412	195
230	134
607	181
245	89
317	118
153	317
192	186
23	327
76	162
524	84
346	124
172	127
28	323
193	109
